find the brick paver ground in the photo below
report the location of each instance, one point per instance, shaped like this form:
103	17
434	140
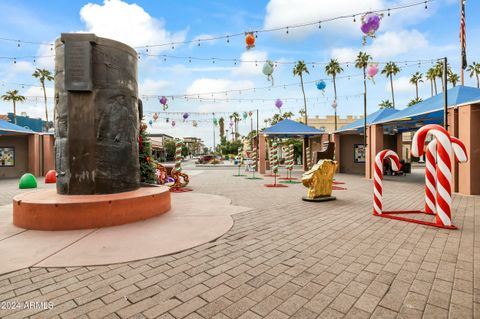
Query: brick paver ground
284	259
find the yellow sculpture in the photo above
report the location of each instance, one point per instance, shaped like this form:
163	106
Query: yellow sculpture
319	180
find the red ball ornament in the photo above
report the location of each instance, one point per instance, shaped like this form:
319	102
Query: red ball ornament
250	40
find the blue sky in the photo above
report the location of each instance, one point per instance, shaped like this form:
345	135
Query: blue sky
409	34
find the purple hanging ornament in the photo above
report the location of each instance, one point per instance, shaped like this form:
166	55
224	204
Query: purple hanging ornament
370	24
278	104
163	100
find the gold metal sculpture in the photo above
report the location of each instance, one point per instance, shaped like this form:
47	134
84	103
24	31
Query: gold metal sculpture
319	181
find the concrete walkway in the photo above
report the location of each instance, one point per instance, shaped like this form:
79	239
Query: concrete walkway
285	258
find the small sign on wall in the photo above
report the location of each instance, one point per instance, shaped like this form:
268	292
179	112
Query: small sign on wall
7	156
358	153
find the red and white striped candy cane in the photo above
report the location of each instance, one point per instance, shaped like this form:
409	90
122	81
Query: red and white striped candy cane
430	177
443	169
460	152
378	177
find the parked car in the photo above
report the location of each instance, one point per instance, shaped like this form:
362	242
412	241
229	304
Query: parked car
204	159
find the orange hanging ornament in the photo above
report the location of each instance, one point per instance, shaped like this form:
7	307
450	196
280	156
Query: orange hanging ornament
250	40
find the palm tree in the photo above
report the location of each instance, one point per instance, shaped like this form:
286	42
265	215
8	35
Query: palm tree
390	70
386	104
221	125
361	63
415	79
43	75
432	77
236	119
414	101
474	70
287	115
333	68
299	69
439	73
453	78
14	97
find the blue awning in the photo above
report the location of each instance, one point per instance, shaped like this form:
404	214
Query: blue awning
289	128
371	118
10	128
431	110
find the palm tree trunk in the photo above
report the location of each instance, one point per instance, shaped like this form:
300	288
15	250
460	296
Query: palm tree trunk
14	112
46	106
435	85
391	86
335	95
431	87
304	99
416	90
478	81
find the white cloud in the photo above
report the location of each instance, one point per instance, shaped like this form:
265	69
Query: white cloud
280	13
400	84
128	23
203	85
387	45
195	41
251	68
151	86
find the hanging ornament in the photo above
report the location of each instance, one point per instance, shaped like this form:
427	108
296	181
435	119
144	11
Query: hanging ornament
370	24
334	104
231	124
163	100
250	113
245	115
215	121
278	104
372	70
185	116
249	40
194	123
155	116
321	85
167	120
150	122
268	70
173	123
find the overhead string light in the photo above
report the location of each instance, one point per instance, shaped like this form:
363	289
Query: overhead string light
227	37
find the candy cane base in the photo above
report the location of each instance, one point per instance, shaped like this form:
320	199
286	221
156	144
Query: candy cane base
275	185
319	199
388	214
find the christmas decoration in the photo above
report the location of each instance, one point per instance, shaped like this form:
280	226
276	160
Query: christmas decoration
185	116
370	24
163	100
321	85
245	115
147	167
155	116
268	70
249	40
278	104
173	123
194	123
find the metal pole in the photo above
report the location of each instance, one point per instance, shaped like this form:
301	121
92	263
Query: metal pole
258	139
251	132
445	94
213	124
364	112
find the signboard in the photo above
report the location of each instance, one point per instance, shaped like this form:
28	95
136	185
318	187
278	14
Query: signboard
78	65
358	153
7	156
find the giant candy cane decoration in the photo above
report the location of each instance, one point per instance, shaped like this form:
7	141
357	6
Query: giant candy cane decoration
460	152
443	168
378	177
